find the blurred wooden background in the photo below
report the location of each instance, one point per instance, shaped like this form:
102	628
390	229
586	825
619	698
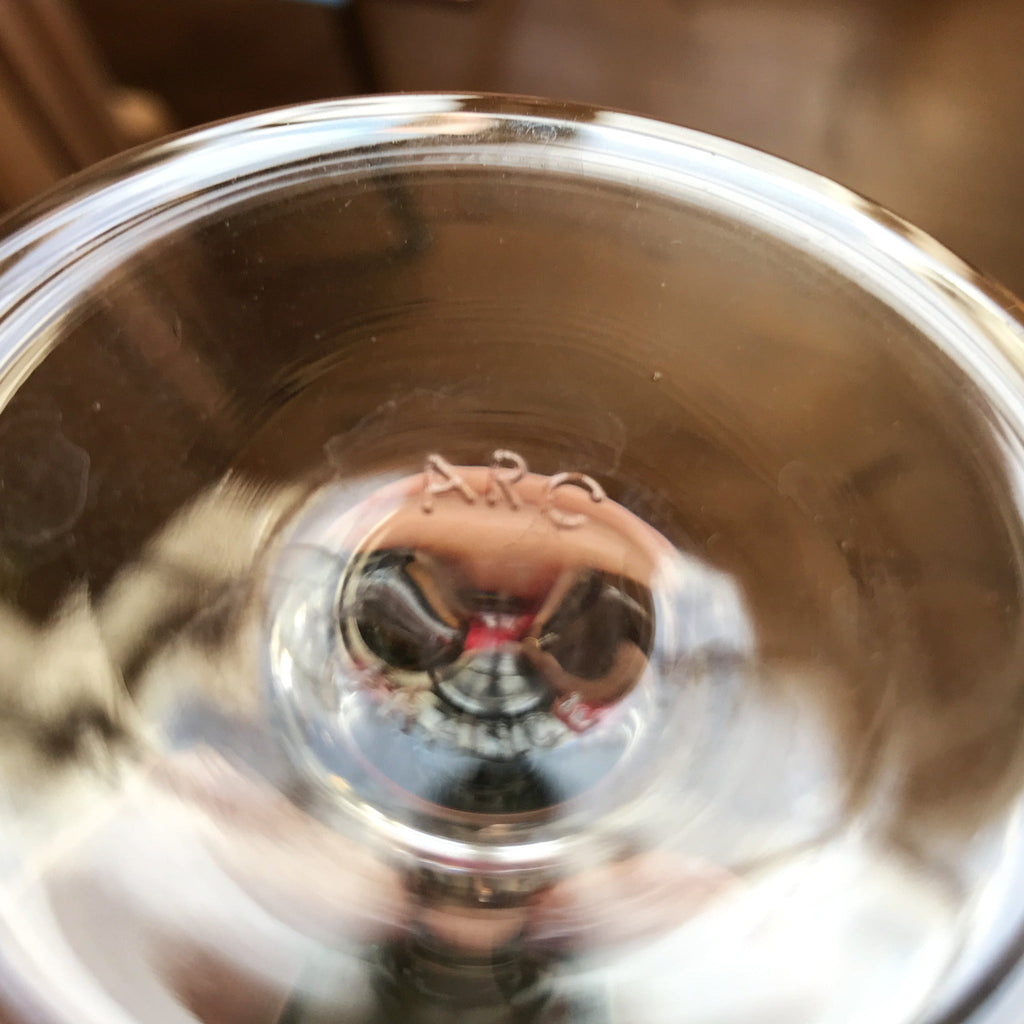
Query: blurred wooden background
917	103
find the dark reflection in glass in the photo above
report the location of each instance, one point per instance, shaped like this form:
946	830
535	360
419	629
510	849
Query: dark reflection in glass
400	617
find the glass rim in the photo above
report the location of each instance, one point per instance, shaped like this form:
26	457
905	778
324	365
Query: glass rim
50	245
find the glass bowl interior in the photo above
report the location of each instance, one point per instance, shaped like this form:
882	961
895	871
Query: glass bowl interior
251	376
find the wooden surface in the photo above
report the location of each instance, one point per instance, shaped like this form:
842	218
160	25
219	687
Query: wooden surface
54	117
917	104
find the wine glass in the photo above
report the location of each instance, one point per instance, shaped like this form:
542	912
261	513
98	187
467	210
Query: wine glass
480	559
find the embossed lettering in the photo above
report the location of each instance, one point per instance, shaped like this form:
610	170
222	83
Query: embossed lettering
574	713
507	469
570	520
442	477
